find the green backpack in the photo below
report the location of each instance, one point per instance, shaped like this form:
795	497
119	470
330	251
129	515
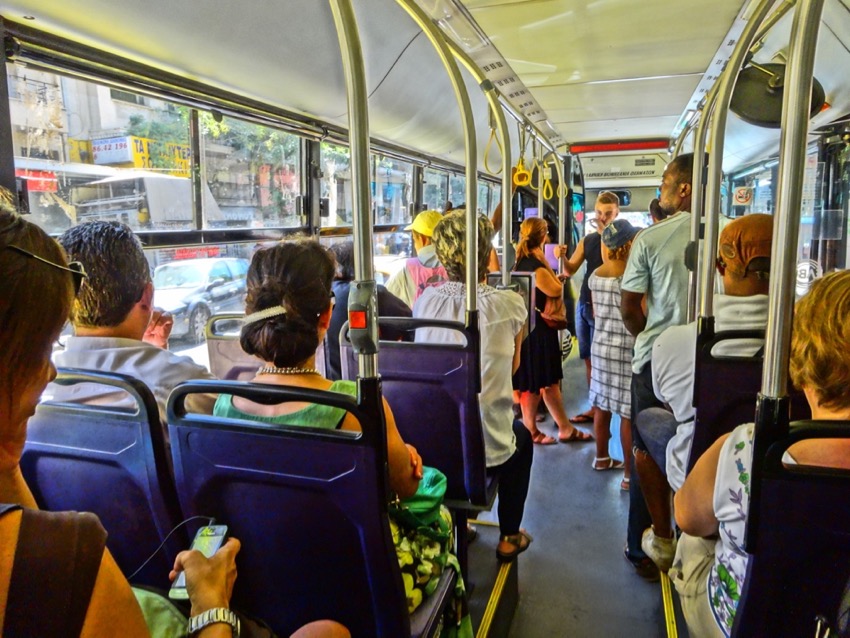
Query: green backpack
421	512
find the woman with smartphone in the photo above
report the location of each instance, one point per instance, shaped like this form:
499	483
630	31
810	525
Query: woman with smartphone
95	599
288	310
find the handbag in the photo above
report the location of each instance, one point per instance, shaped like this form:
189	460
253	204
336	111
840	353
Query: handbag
421	512
554	313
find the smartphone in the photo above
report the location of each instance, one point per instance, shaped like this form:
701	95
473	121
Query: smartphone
207	541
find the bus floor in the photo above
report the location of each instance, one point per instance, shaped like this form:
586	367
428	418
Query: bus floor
573	580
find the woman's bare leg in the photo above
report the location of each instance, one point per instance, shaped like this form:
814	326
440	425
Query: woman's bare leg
602	432
626	442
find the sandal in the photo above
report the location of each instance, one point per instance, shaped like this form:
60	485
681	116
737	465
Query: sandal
576	436
521	541
609	464
584	417
625	484
541	438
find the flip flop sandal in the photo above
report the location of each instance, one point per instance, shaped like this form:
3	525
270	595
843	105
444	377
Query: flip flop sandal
611	464
625	484
521	541
543	439
577	436
581	418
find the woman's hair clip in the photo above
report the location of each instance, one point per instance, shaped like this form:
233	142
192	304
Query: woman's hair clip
260	315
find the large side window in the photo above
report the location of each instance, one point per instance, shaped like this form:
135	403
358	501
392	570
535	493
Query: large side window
336	185
84	151
253	174
435	191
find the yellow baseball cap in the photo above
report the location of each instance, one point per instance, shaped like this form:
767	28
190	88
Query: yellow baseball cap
425	222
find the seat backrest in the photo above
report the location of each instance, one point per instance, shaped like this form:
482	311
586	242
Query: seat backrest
525	283
308	505
725	391
801	566
432	391
112	462
228	361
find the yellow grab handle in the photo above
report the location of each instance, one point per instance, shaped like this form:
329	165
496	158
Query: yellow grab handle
487	146
521	177
536	166
548	191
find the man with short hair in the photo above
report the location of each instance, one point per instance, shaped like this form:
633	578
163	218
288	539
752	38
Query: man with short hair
116	327
655	270
743	261
424	270
589	249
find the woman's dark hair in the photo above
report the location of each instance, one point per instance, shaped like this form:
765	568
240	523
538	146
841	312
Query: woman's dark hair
343	252
35	300
297	276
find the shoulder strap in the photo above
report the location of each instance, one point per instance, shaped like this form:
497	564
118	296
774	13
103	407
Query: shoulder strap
56	564
6	507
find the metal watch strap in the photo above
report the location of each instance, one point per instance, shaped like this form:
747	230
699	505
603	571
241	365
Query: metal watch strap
213	616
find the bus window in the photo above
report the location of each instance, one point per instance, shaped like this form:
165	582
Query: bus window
392	189
336	184
253	173
435	189
89	151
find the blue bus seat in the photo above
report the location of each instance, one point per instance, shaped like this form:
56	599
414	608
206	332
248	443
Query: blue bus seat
310	508
725	392
432	391
227	359
112	462
800	569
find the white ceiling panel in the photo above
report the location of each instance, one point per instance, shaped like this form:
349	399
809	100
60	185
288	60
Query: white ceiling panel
620	129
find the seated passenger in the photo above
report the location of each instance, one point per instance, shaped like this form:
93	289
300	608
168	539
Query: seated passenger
708	572
82	588
502	317
424	270
743	261
388	306
116	327
288	312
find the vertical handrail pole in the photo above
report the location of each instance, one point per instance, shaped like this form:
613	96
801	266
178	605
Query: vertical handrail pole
697	189
680	141
723	97
358	124
436	37
540	199
492	96
796	105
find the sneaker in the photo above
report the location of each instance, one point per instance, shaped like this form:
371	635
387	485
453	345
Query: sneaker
660	550
644	567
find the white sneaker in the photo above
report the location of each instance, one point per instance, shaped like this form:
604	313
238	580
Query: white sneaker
660	550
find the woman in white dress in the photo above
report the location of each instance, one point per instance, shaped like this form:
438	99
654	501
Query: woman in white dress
611	352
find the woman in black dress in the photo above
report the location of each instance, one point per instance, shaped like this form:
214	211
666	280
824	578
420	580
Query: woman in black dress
540	370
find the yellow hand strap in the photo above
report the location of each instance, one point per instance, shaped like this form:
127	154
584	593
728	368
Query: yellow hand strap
487	148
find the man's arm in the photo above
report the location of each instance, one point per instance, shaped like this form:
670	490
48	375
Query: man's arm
632	312
574	263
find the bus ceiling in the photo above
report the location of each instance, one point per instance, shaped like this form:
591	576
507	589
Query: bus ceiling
599	71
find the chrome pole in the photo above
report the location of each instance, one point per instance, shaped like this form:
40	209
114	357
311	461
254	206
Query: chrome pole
442	48
697	188
492	96
358	123
680	141
796	104
725	84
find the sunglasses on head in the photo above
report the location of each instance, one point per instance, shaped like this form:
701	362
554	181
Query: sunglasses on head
78	273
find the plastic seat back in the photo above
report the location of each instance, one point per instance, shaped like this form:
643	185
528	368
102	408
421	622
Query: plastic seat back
227	359
525	283
725	392
432	389
800	570
309	506
114	463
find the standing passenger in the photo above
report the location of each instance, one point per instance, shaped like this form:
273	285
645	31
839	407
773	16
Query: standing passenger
424	270
540	370
656	269
502	315
611	373
589	249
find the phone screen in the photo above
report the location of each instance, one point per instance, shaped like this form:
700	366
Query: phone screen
207	541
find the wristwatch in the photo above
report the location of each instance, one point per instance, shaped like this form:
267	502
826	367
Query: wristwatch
212	616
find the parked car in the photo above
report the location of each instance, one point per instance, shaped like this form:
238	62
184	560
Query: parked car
193	290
